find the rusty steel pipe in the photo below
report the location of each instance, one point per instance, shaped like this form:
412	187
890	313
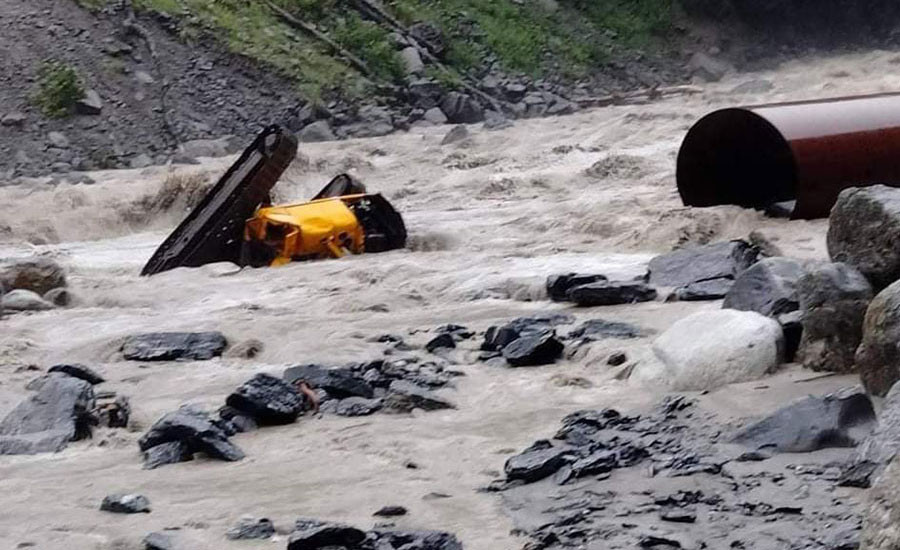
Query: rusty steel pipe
805	150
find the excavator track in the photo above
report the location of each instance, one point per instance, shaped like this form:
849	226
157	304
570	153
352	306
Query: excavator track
213	231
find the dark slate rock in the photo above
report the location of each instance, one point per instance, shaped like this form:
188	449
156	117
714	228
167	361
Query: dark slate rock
310	534
599	462
658	543
712	261
78	371
579	428
767	287
158	541
600	328
842	419
616	359
411	540
863	231
710	289
60	412
268	400
792	327
338	383
357	406
609	294
538	461
196	430
833	302
441	341
461	109
558	286
497	338
405	396
391	511
167	453
878	356
125	504
533	349
241	421
170	346
251	528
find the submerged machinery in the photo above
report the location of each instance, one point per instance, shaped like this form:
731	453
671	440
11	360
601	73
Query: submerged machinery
236	221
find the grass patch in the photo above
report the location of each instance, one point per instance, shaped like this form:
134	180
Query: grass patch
58	88
371	43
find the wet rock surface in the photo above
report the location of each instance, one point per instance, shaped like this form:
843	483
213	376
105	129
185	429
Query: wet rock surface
405	396
644	477
172	346
611	293
843	419
863	230
767	287
833	302
186	431
533	349
79	371
600	328
558	286
338	382
722	260
267	400
62	410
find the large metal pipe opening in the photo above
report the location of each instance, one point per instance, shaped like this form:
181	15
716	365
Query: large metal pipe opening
808	151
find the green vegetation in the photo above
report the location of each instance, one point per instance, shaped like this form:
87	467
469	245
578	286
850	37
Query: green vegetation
568	37
58	88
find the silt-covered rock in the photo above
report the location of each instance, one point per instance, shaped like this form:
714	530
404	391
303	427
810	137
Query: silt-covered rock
196	430
533	349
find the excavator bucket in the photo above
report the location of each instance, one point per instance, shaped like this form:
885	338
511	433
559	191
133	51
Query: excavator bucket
214	230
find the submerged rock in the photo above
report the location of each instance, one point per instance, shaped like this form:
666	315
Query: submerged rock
268	400
126	504
723	260
339	383
837	420
195	430
833	302
710	349
441	341
171	346
40	276
863	231
767	287
61	411
558	286
609	294
533	349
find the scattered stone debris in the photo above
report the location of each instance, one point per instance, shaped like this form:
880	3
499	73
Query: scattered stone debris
457	133
878	356
710	349
184	432
687	268
617	358
61	411
879	448
768	287
863	230
248	528
611	293
390	511
312	534
842	419
357	406
172	346
267	400
833	302
126	504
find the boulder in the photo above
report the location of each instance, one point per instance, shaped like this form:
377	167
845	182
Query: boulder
457	133
158	541
339	383
441	341
435	116
24	300
413	540
881	515
533	349
58	140
558	286
196	430
40	275
461	109
405	396
13	119
315	132
390	511
841	419
722	260
879	448
711	289
125	504
538	461
247	349
833	301
268	400
611	293
768	287
78	371
878	356
249	528
357	406
171	346
167	453
863	231
60	412
89	104
311	534
412	61
710	349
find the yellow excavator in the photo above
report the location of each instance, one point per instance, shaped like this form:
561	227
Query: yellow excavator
236	221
